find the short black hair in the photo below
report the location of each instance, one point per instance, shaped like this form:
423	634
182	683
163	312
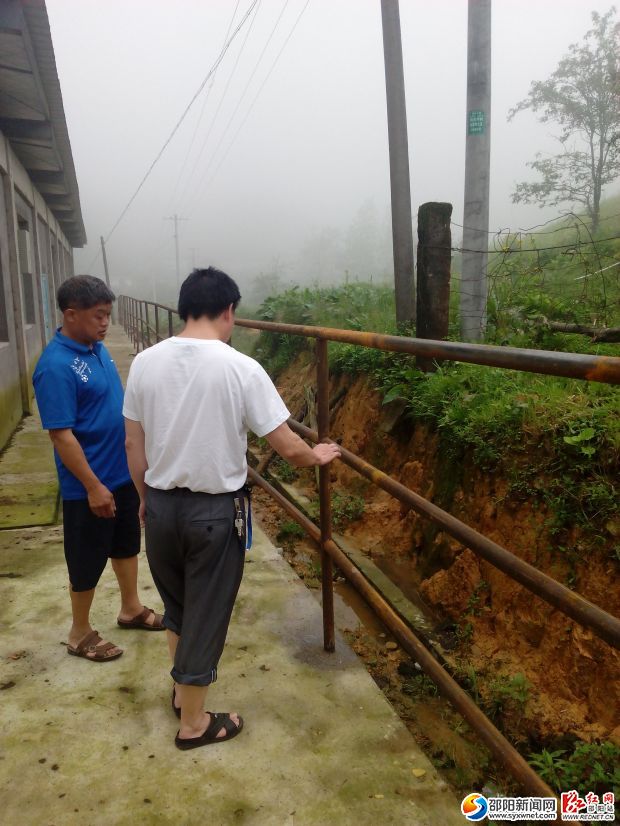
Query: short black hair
207	292
81	292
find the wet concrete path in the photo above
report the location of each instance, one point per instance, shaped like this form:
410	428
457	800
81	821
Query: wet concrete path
85	743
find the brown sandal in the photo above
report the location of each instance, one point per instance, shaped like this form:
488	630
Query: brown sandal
92	647
139	621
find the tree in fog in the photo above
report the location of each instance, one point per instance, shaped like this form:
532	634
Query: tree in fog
264	285
321	256
367	249
583	97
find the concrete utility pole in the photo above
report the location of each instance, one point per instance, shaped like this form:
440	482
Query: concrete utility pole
402	233
175	218
477	172
107	274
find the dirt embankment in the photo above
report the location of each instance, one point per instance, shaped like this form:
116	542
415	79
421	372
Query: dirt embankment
501	630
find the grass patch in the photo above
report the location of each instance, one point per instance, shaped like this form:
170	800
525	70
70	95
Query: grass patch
587	767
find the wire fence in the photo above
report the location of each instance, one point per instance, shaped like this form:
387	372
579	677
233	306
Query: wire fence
575	279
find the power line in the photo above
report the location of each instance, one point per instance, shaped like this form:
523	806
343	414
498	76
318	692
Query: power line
239	102
204	103
259	91
217	111
211	71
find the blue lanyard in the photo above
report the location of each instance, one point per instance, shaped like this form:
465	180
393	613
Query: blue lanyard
248	530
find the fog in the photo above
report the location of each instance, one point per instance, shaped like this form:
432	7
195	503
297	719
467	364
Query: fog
281	166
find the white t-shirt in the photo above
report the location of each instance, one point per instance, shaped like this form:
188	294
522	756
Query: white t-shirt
196	399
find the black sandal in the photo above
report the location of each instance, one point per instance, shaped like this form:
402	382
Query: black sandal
218	722
176	709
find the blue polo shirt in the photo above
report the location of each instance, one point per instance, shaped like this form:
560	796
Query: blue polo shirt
78	387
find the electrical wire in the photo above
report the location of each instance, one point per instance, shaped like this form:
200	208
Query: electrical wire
179	122
198	188
241	125
215	116
204	103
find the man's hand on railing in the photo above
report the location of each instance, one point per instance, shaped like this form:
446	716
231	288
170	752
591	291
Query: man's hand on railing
325	454
295	451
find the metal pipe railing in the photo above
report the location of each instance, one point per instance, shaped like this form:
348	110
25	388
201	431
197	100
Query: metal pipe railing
492	737
569	365
604	625
325	502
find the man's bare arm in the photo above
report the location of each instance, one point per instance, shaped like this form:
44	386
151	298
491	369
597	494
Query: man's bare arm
136	458
292	447
100	499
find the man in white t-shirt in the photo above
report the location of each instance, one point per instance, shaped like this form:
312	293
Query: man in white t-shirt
189	403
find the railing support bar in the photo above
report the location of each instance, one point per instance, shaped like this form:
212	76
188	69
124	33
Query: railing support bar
327	568
494	739
604	625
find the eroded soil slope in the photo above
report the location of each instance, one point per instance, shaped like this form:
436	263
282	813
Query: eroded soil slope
500	631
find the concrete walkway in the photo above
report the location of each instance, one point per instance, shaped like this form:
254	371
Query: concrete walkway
85	743
28	480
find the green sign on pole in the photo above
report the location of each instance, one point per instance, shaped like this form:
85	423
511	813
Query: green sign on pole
476	122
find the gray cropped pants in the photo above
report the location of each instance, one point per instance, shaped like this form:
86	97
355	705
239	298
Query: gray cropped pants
196	558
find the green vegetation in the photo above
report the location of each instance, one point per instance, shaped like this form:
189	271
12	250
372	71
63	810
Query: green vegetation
346	508
355	306
580	97
557	440
290	531
588	767
507	693
473	603
420	686
283	470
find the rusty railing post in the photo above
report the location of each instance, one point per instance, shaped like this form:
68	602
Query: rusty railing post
327	567
157	336
141	331
170	330
147	322
133	324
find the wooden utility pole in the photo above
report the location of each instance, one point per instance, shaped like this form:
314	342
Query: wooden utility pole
107	274
434	257
402	234
477	172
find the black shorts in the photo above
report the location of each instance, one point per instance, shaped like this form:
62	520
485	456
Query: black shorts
91	540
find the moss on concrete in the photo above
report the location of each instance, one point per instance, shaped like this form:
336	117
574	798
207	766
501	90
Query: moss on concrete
10	411
85	743
321	745
28	480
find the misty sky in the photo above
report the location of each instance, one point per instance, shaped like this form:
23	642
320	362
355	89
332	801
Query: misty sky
252	189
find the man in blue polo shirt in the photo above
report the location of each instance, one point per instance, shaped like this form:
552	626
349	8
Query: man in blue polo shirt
80	399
